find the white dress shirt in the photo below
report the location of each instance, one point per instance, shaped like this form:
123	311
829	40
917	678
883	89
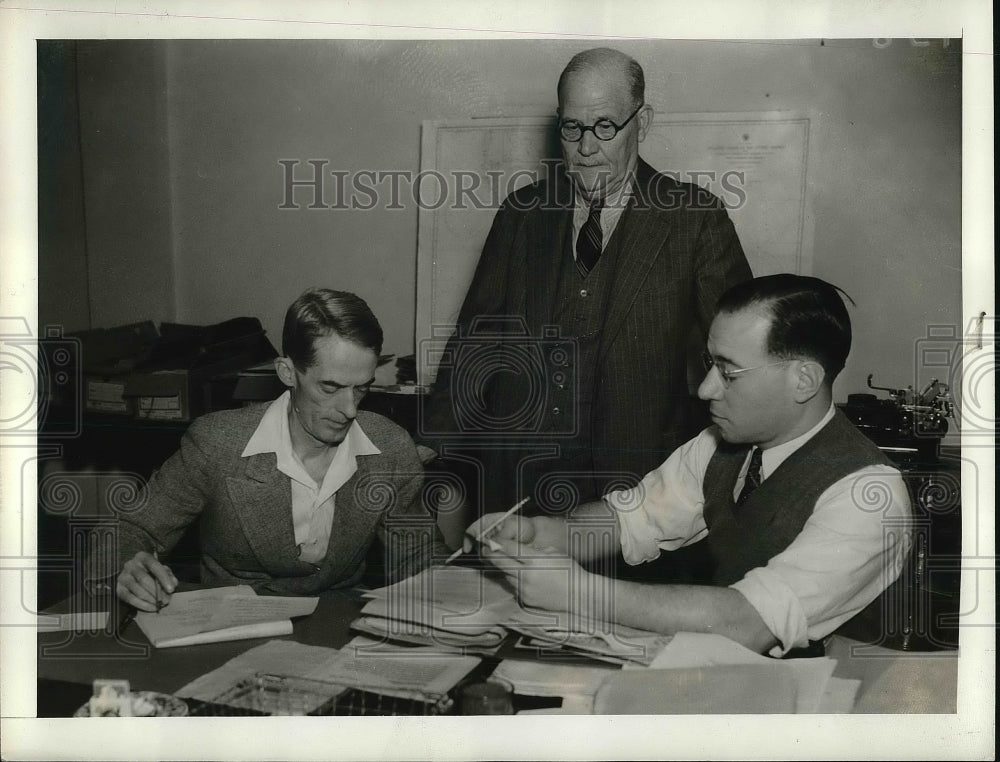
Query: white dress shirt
313	504
851	548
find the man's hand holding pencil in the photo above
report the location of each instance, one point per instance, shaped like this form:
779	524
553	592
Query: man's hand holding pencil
146	583
533	553
539	532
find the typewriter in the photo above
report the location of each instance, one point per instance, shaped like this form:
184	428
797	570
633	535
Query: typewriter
907	426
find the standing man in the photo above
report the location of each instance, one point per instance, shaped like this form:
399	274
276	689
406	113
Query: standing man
568	370
293	497
804	520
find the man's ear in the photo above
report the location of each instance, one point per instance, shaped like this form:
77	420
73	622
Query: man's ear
809	380
645	117
286	371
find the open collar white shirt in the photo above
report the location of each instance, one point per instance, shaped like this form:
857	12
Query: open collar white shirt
313	504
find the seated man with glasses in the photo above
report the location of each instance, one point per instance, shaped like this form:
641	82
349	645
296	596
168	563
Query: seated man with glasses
804	520
610	259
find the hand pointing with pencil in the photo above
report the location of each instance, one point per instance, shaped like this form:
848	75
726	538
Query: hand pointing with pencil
539	532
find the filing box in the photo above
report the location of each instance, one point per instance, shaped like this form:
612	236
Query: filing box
106	357
179	381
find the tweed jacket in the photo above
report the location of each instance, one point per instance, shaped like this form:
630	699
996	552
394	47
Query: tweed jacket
244	510
677	253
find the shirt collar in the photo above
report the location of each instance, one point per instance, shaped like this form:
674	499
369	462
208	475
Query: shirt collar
618	200
773	457
272	435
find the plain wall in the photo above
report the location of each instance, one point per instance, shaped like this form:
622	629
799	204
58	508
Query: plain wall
181	142
62	239
126	181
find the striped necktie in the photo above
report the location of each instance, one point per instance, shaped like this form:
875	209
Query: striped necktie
591	239
753	477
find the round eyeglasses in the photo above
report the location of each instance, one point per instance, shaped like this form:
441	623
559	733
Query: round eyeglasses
728	375
604	129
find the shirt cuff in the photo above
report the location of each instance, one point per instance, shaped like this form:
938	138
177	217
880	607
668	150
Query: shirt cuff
777	606
634	527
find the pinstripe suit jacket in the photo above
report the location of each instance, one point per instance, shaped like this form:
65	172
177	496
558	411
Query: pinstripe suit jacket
677	252
244	509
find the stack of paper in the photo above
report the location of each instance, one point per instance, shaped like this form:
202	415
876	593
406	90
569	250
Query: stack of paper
446	606
458	608
221	613
603	641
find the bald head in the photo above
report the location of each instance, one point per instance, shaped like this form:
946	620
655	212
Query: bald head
610	63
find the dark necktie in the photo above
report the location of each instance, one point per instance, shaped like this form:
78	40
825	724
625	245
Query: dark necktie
591	239
753	477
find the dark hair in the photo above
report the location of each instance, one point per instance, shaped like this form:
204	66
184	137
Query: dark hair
808	317
320	312
608	58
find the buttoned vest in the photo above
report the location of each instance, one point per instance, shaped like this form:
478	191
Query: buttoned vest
579	309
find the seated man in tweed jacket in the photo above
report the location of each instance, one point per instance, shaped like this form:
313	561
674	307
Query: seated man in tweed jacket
291	495
802	519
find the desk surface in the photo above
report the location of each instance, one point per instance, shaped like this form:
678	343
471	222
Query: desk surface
81	657
891	681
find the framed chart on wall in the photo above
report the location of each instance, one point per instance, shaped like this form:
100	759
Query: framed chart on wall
755	162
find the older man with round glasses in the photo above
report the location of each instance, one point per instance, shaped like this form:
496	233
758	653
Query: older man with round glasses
804	520
601	274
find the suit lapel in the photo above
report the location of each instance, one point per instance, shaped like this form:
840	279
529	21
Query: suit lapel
548	227
644	230
357	510
262	499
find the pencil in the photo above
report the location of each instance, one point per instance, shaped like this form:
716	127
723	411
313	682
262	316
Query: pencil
156	557
126	620
495	524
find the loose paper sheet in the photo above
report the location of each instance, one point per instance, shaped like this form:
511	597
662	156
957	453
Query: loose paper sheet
696	649
280	657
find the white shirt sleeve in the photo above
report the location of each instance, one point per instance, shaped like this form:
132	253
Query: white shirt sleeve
851	549
665	511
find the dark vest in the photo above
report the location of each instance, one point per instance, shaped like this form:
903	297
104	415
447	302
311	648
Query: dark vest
579	308
579	304
742	539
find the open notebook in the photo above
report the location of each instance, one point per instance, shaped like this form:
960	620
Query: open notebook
221	613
